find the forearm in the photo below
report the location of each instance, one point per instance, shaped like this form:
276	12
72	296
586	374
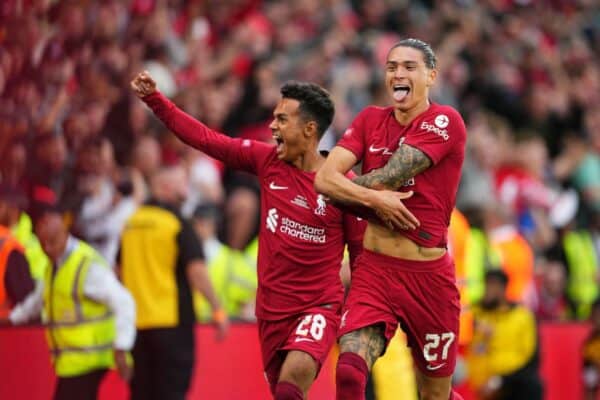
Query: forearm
102	285
404	164
200	281
30	308
191	131
338	187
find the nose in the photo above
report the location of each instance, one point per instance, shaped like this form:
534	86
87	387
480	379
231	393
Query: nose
273	124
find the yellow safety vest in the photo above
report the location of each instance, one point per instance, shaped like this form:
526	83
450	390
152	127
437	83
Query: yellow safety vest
479	258
234	281
34	253
583	267
80	331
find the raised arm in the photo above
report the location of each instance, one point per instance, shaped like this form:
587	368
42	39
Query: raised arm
332	182
404	164
236	153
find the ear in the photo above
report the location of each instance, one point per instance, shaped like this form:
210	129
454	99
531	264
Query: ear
431	75
310	129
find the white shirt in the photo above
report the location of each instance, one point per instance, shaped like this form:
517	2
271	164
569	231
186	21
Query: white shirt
100	285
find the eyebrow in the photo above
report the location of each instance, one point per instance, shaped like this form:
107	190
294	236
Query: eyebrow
279	115
407	62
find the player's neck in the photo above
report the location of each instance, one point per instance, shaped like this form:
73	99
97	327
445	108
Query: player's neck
309	161
404	117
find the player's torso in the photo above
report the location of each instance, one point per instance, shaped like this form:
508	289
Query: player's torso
294	218
433	195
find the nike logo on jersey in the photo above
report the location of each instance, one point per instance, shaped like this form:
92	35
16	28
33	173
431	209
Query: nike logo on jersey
303	339
385	150
435	367
273	186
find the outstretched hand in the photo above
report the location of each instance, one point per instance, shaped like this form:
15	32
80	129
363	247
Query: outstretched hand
143	84
390	209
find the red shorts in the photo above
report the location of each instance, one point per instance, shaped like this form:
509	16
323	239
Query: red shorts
313	332
420	295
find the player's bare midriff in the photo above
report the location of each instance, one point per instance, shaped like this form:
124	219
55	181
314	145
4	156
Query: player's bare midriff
380	239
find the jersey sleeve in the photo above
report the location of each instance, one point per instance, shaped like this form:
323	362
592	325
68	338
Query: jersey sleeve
354	230
244	154
189	245
353	138
437	138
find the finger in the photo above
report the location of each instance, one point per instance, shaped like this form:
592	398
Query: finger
404	195
404	222
411	219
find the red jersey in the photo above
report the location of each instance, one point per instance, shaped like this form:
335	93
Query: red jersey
440	133
302	237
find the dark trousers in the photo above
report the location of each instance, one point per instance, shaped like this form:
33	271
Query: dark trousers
163	363
82	387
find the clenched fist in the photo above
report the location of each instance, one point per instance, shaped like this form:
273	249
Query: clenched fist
143	84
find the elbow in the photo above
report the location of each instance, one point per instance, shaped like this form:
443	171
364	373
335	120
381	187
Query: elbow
322	182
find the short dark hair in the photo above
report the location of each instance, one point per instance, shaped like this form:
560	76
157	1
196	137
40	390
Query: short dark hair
424	48
315	102
496	275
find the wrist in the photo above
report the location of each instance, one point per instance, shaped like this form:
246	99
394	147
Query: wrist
219	315
370	198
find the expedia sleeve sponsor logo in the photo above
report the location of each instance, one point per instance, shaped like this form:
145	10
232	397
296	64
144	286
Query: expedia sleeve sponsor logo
435	129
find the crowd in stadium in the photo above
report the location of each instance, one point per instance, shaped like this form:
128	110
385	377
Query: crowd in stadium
525	76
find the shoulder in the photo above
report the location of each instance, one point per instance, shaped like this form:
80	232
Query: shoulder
445	115
374	112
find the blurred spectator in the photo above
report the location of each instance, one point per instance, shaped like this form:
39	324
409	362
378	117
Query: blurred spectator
516	255
161	262
15	279
90	315
458	235
582	260
591	355
552	302
13	202
502	359
233	278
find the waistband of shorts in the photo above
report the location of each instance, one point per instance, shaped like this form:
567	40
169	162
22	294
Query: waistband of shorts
382	260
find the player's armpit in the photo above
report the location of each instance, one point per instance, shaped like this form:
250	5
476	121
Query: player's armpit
405	163
367	342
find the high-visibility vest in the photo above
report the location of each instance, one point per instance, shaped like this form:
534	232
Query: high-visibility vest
480	257
7	244
37	259
517	262
234	281
80	331
458	236
583	268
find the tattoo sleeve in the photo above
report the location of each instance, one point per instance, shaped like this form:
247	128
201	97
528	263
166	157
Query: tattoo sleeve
405	163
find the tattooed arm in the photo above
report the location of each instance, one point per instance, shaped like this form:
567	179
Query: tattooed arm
331	181
404	164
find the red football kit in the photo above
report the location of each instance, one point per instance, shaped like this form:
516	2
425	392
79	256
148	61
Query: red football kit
420	295
301	242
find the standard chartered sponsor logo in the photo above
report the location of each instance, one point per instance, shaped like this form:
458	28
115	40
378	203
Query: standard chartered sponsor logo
272	218
304	232
294	229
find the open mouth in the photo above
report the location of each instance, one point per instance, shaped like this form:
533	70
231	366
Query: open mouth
279	142
400	92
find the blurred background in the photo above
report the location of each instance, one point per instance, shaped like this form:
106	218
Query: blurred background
524	74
